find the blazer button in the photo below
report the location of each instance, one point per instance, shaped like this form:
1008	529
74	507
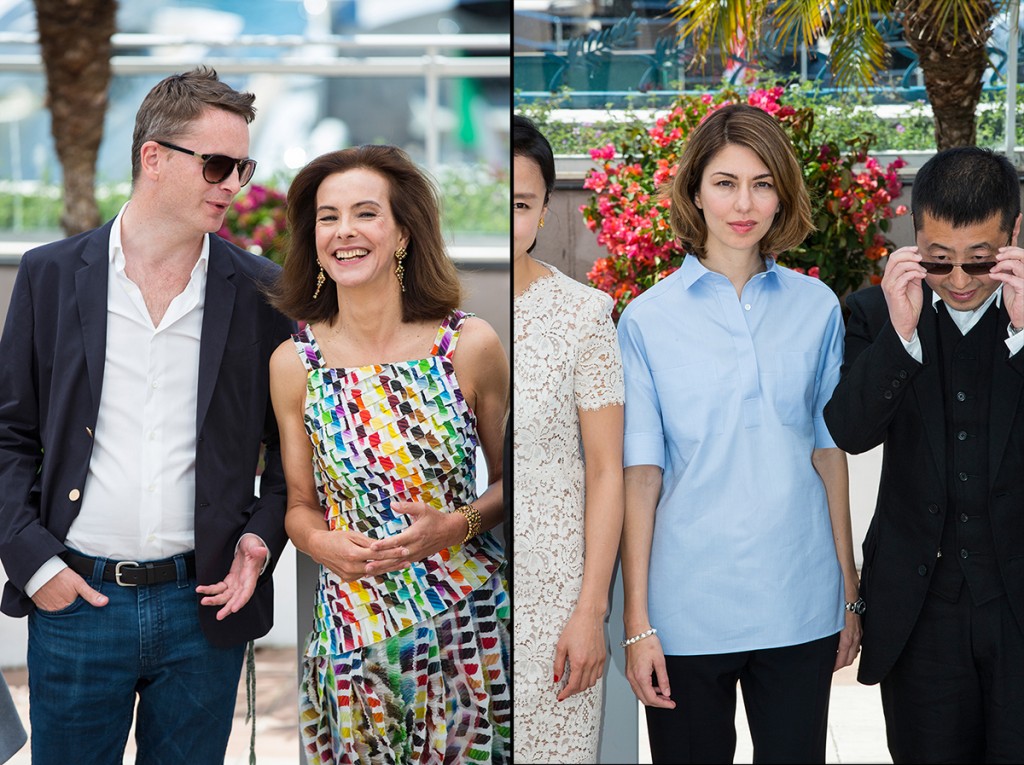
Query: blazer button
887	395
922	570
933	509
903	374
74	494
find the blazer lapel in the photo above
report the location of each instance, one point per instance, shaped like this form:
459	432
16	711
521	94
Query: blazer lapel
217	310
91	297
928	382
1003	400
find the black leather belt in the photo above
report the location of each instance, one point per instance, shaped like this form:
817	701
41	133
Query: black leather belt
129	573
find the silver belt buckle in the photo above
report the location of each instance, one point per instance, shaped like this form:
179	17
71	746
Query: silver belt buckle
117	572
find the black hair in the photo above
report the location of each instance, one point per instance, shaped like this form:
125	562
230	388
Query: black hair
528	141
966	185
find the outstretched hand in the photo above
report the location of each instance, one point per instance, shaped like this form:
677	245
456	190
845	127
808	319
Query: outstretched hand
238	586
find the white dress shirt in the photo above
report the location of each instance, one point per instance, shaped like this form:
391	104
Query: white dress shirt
138	500
965	321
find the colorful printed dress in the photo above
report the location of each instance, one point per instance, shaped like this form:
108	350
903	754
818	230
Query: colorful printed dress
413	665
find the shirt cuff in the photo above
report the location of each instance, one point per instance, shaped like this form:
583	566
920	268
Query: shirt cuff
1015	341
44	574
266	561
913	346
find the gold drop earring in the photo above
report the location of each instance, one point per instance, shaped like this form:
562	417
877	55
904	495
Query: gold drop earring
541	223
320	279
400	269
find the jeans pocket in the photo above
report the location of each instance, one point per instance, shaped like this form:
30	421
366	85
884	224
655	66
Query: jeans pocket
70	608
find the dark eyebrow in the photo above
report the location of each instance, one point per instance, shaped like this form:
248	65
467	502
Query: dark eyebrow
968	248
332	208
525	195
730	175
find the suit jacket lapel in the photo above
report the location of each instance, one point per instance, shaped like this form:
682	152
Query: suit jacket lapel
1004	399
928	382
217	310
91	297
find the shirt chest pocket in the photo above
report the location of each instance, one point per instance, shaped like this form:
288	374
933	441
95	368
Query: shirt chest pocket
792	386
692	399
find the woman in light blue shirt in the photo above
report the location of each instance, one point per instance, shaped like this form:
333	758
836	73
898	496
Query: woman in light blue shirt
737	555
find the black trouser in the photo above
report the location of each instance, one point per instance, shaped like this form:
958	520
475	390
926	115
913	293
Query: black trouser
956	693
785	694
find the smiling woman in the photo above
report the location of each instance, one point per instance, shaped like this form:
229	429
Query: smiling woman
382	400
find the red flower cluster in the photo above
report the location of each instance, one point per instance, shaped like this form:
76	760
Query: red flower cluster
851	198
257	221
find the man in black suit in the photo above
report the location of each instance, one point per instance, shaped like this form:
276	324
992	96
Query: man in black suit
133	406
934	371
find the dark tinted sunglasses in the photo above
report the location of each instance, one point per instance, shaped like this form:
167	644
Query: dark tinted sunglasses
972	269
217	167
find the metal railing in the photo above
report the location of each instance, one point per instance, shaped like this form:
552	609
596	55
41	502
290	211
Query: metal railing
428	56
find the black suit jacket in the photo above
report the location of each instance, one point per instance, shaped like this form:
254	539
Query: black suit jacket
886	397
52	356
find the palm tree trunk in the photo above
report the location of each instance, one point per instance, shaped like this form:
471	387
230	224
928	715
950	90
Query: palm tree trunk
953	66
74	37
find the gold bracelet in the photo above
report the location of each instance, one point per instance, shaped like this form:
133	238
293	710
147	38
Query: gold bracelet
472	516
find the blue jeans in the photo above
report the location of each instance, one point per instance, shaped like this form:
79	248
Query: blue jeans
86	665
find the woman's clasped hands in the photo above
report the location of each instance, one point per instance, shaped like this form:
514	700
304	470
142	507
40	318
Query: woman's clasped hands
353	555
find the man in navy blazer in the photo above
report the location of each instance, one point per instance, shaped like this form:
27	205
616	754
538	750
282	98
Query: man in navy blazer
134	410
934	370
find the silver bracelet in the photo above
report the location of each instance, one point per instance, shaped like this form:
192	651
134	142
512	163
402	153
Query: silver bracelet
636	638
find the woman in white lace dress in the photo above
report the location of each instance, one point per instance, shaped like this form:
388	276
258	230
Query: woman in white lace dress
568	514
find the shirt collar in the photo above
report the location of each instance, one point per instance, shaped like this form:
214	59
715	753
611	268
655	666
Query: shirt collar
693	269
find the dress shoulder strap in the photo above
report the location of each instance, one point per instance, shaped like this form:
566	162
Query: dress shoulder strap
448	334
307	348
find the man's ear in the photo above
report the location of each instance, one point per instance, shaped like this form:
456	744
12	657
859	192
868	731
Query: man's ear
1016	231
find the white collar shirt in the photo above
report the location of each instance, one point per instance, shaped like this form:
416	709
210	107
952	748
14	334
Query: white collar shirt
138	500
965	321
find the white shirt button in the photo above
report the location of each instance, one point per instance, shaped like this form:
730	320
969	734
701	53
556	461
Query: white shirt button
747	307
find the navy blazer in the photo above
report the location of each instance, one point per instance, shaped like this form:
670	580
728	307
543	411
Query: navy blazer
884	396
52	357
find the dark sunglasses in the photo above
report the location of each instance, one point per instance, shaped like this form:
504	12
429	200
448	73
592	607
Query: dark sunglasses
972	269
217	167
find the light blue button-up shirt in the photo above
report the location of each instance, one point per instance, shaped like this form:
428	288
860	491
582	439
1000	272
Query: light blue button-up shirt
726	396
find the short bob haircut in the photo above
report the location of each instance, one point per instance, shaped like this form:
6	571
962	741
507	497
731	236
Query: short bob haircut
748	126
432	288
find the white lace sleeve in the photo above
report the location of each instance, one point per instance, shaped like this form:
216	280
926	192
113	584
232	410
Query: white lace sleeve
598	377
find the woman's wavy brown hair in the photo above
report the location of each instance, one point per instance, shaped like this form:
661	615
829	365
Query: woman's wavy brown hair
432	288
